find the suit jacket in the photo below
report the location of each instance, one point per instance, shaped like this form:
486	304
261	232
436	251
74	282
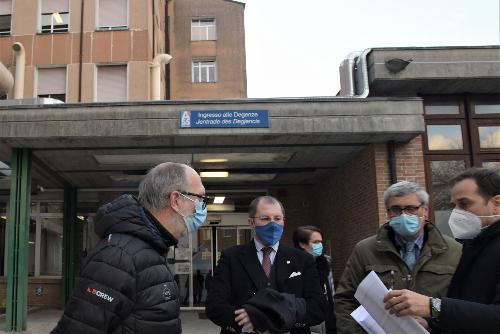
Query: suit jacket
239	275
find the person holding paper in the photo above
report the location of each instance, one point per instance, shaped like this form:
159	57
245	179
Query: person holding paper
472	304
248	276
408	252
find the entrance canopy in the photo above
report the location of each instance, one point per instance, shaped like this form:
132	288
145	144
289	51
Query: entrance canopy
110	146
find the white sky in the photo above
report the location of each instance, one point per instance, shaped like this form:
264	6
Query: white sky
294	48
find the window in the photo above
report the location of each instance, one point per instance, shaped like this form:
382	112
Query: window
204	71
444	137
442	108
55	16
203	30
45	241
5	17
489	136
487	109
111	83
442	171
112	14
52	83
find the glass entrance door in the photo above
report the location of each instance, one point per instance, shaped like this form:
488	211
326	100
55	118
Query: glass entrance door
195	257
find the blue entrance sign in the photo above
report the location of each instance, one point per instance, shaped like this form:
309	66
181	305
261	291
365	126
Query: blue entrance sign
224	119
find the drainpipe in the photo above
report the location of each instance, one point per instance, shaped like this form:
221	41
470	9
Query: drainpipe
167	50
391	160
6	80
19	74
80	66
158	60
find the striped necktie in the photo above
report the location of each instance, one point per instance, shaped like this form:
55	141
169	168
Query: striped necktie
266	260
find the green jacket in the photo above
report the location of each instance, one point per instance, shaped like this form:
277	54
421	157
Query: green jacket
431	275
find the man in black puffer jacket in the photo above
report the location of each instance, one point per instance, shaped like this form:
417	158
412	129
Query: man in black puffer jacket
125	285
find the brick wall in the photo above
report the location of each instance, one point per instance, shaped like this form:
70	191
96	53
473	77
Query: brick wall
298	208
348	205
409	167
345	206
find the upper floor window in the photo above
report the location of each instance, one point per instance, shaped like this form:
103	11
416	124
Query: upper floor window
112	14
5	16
204	71
111	83
51	82
55	16
203	30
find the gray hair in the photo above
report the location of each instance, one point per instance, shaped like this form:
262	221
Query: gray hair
268	199
404	188
159	183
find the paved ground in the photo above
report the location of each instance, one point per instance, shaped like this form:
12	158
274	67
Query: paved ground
43	321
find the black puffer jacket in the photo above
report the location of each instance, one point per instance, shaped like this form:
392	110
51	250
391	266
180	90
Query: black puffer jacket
125	285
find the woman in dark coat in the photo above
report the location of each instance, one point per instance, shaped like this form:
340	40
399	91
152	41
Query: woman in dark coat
309	239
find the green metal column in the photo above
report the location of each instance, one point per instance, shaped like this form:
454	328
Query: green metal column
69	232
18	230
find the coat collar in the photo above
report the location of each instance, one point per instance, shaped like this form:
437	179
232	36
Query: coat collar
433	239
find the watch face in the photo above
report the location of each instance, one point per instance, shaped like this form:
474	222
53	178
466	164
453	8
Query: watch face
436	304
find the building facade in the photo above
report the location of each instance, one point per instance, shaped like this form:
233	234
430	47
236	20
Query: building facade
328	159
102	50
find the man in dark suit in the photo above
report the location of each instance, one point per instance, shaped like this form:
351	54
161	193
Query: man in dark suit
263	263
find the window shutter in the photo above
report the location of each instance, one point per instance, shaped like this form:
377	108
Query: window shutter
52	6
112	13
5	7
51	81
112	83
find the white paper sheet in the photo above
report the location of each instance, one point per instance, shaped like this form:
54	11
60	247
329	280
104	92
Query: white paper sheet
370	294
366	321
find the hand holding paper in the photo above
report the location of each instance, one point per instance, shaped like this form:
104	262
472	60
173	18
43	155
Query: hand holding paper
370	294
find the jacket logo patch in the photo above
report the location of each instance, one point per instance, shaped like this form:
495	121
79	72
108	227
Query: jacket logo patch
100	294
167	294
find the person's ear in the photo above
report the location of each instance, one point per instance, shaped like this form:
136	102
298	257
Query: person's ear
495	200
425	210
250	222
175	200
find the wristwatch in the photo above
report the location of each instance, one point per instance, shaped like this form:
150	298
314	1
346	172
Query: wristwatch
435	306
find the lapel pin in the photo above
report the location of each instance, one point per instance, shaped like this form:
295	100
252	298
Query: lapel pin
288	262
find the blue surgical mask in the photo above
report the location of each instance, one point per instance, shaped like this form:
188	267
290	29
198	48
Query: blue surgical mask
270	233
317	249
405	225
195	220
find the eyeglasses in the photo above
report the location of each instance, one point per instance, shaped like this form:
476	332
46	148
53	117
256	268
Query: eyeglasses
203	198
398	210
267	219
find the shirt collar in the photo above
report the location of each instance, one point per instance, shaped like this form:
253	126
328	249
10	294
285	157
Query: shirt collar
259	246
419	241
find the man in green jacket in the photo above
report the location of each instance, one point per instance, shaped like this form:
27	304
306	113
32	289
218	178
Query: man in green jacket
408	252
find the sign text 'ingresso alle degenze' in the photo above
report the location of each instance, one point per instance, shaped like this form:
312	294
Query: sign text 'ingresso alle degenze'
224	119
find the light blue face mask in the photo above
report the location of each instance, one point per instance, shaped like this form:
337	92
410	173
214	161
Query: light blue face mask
317	249
195	220
405	225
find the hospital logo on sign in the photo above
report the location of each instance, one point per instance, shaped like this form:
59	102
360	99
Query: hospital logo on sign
185	119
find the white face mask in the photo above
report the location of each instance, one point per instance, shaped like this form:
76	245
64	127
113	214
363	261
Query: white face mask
465	224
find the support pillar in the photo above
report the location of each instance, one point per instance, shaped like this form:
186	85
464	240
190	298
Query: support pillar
18	231
69	233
